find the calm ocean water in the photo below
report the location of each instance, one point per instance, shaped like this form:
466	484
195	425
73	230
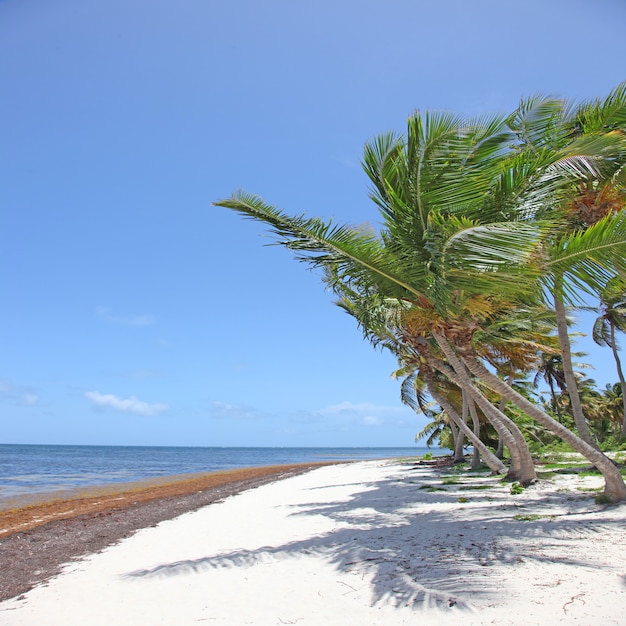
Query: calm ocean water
28	470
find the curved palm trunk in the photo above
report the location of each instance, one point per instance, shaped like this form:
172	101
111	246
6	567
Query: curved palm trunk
456	438
568	368
476	425
459	454
502	407
500	448
614	488
505	435
620	374
522	466
526	473
495	464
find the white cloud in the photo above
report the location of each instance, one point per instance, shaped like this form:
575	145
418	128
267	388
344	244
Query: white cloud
365	413
30	399
224	410
106	315
19	394
372	420
126	405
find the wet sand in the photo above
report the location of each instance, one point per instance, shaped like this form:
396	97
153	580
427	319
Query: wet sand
37	539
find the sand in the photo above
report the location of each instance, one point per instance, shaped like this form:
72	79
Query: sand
366	543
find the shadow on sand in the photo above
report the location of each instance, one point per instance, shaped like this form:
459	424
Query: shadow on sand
448	547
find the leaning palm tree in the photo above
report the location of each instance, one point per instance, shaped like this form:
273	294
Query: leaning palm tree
612	319
419	381
590	196
464	217
384	323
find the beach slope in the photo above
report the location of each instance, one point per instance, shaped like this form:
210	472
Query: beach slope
366	543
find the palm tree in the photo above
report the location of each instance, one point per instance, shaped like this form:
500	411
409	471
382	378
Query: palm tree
437	431
465	216
613	405
550	368
612	318
585	253
382	321
418	380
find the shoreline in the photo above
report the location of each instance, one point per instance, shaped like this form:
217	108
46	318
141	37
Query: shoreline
39	538
381	543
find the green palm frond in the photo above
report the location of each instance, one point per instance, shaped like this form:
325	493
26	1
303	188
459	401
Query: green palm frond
601	332
537	122
588	260
359	255
590	157
492	258
603	115
380	160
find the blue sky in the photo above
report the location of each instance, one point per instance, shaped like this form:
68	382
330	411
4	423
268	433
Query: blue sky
134	312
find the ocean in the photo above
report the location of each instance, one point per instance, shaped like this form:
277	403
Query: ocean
32	470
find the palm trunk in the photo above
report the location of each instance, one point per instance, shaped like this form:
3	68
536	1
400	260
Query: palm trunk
522	467
454	429
614	487
459	454
505	435
526	473
500	448
476	425
620	374
555	402
568	368
495	464
501	408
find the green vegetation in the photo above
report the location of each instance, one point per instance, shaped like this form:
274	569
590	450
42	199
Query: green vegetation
516	489
452	481
493	232
527	518
476	487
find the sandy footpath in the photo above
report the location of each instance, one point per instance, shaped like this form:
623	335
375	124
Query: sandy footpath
367	543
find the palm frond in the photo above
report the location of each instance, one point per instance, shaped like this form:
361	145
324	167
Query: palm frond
601	333
588	260
359	254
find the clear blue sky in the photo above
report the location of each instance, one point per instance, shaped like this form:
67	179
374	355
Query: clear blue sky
134	312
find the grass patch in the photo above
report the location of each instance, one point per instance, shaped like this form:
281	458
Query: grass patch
462	500
563	465
516	489
452	481
583	470
546	475
431	488
476	487
590	472
531	517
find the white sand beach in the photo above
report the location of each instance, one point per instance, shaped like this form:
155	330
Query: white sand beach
366	543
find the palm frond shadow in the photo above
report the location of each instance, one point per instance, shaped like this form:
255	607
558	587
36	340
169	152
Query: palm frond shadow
421	557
